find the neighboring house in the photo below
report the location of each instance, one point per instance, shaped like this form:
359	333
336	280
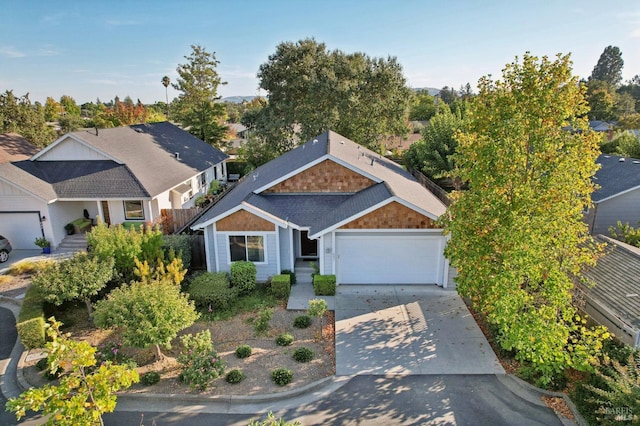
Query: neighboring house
401	143
356	214
614	299
242	135
603	127
618	195
122	174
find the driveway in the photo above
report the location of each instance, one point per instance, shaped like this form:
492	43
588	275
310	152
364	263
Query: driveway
408	330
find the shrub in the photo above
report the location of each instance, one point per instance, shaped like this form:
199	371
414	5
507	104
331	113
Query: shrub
211	289
281	286
31	319
42	364
271	420
181	244
150	378
282	376
201	364
291	274
243	351
303	354
284	339
302	321
112	352
261	323
235	376
324	285
243	277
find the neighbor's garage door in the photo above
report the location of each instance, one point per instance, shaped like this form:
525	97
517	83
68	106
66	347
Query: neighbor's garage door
389	259
21	229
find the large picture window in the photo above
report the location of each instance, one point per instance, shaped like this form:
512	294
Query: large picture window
133	210
246	247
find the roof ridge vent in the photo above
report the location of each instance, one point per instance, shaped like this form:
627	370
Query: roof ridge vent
177	155
636	162
138	129
256	175
315	141
621	160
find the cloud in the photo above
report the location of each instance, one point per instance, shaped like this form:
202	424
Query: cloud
11	52
635	33
48	51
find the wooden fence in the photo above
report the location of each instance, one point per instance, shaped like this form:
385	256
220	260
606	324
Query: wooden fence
431	186
174	219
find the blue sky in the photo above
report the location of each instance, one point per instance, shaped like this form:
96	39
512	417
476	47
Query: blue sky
99	49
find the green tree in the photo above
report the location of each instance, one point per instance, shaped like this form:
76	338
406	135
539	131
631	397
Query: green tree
69	106
602	99
85	390
517	235
311	90
79	277
196	107
148	313
18	115
632	87
52	109
433	154
423	106
609	66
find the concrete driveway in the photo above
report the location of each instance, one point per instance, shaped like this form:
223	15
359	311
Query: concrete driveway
408	330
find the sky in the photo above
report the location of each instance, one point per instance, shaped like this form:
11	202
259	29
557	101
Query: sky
92	49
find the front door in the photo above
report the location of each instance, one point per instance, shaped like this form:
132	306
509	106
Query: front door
105	212
308	248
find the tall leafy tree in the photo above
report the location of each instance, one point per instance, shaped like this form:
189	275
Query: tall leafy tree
69	106
517	235
311	89
19	115
196	107
609	66
52	109
433	154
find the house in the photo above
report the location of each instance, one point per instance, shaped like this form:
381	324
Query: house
618	195
356	214
122	174
614	298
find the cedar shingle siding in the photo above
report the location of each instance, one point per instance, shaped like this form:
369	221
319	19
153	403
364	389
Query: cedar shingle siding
242	220
392	216
326	176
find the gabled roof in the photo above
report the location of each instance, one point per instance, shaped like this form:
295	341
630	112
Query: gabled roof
320	211
616	176
617	280
149	152
14	147
86	179
27	182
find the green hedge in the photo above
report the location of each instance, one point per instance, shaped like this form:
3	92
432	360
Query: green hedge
212	289
324	285
281	286
243	276
31	319
291	273
181	245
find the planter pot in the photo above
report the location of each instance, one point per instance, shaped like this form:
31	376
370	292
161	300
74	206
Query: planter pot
46	250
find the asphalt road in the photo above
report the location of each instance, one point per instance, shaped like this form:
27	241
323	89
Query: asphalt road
377	400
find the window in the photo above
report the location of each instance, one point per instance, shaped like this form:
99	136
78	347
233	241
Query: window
246	247
133	209
203	180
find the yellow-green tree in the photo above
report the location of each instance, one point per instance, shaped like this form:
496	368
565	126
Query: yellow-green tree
84	391
517	238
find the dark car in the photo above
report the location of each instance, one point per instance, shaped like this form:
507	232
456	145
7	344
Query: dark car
5	249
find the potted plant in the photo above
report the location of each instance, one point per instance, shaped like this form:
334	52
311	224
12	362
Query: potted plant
44	244
70	228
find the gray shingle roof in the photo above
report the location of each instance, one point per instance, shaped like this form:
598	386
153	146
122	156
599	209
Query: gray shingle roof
149	151
392	180
615	176
28	182
86	179
617	280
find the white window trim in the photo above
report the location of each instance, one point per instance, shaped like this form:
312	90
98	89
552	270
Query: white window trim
248	234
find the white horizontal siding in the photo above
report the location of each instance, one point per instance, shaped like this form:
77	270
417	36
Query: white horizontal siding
71	150
264	270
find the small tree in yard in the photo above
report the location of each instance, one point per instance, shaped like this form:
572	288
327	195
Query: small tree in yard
80	277
84	392
517	235
149	313
317	308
